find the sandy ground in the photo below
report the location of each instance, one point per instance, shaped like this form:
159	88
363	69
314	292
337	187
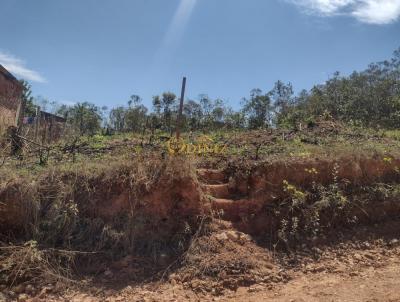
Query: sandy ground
371	284
371	274
367	284
364	265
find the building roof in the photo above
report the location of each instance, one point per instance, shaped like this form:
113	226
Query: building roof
49	116
9	76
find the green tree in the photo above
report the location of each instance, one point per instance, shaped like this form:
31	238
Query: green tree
117	118
168	100
84	117
192	113
206	109
136	116
282	99
27	98
258	109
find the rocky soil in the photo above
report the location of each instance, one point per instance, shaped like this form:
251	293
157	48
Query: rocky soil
359	265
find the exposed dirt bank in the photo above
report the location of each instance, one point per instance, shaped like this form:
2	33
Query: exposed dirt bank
207	236
362	264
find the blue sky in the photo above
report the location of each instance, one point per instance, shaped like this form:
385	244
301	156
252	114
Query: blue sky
103	51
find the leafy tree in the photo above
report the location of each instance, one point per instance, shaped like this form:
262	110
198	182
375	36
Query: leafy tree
234	120
27	98
117	118
135	118
192	113
369	98
168	100
258	109
157	105
84	117
135	100
206	108
218	113
281	97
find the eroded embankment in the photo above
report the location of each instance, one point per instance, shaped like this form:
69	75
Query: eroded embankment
159	196
341	191
143	207
154	209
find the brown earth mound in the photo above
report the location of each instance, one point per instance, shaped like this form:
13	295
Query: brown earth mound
225	259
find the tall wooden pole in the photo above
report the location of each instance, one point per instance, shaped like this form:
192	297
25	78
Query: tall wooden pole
17	96
179	121
37	123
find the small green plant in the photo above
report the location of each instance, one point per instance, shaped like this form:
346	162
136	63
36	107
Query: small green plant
383	191
331	195
97	141
297	196
387	159
289	227
307	208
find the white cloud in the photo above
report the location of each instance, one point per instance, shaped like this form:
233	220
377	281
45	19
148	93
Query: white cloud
378	12
17	67
367	11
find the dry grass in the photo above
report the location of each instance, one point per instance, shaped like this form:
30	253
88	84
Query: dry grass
115	209
114	200
20	263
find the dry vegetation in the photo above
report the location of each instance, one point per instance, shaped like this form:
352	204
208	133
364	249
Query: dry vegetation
114	210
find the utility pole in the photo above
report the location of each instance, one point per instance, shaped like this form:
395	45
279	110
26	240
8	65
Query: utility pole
179	121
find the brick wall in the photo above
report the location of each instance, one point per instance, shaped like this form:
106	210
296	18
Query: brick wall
7	118
10	99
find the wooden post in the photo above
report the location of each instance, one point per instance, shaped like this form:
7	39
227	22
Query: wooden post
179	121
44	130
37	123
64	125
51	130
17	122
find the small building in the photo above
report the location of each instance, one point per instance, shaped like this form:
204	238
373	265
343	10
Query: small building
52	126
52	118
10	100
44	127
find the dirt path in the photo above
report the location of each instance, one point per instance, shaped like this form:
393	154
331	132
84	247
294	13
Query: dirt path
371	284
352	271
371	275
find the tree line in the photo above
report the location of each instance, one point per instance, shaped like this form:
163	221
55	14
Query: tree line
369	98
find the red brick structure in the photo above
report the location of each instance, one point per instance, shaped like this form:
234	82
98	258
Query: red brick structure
51	127
10	99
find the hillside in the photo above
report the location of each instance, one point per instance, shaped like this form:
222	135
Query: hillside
285	215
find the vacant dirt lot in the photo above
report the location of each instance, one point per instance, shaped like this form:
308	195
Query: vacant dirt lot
307	225
363	265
